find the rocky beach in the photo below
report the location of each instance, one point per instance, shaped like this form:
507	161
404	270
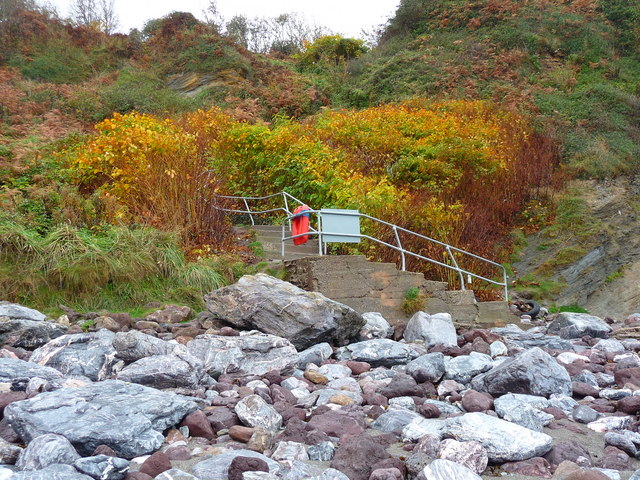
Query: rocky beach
273	382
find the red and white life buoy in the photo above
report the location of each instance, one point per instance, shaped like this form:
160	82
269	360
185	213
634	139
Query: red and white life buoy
300	225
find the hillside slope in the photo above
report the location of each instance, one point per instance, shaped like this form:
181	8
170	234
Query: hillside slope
574	67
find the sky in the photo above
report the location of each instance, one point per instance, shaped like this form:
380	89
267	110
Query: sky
346	17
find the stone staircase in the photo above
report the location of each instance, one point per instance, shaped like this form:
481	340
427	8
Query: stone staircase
381	287
270	237
374	286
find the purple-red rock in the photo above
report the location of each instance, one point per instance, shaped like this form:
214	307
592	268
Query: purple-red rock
386	474
199	425
156	464
629	405
104	450
570	451
615	459
581	389
473	401
339	422
357	454
358	367
375	399
222	418
138	476
281	394
401	385
429	410
179	452
534	467
628	375
229	332
556	412
391	463
9	397
239	465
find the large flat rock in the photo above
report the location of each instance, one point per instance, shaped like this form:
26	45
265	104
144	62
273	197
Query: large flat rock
128	418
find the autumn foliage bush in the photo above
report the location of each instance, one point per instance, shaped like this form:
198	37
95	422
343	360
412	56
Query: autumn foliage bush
152	170
458	171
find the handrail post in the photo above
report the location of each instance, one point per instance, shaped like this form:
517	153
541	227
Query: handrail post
395	231
282	242
248	211
319	233
506	290
286	207
453	259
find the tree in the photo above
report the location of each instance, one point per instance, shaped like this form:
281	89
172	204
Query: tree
96	13
213	16
286	33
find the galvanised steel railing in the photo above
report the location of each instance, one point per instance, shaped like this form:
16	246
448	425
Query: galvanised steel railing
320	233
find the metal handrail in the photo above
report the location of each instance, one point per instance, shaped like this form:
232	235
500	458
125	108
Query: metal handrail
396	229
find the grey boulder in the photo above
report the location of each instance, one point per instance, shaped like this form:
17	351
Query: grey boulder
576	325
504	441
376	326
279	308
56	471
251	352
253	411
47	450
435	329
16	311
88	354
533	372
464	367
447	470
427	368
523	410
12	370
178	370
128	418
134	345
24	333
381	352
103	467
316	355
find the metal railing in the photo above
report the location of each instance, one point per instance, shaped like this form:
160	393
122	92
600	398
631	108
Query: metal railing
450	250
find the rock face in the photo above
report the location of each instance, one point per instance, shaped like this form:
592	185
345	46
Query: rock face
279	308
533	372
435	329
12	370
134	345
376	327
14	311
166	371
503	441
128	418
90	354
46	450
253	352
25	328
447	470
378	352
576	325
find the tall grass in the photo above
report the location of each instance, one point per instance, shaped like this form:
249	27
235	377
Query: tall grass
115	267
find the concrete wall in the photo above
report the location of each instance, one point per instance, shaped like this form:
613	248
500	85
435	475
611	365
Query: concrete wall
381	287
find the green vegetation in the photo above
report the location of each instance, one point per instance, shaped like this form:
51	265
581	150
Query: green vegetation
568	308
459	106
619	273
574	65
413	302
113	268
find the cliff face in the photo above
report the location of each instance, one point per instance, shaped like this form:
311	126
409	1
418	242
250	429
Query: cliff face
601	251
